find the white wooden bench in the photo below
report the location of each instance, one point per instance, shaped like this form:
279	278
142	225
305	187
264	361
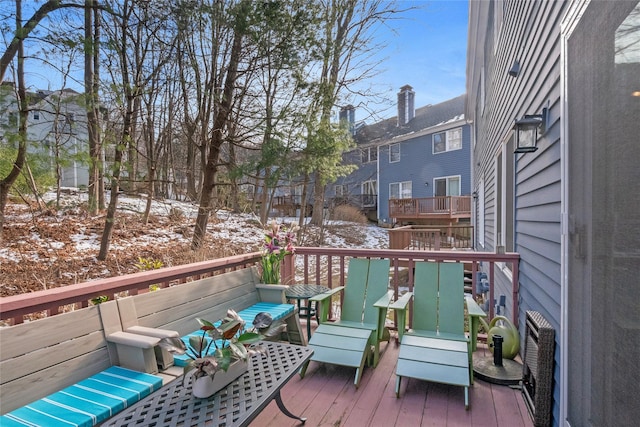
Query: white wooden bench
47	363
41	359
176	308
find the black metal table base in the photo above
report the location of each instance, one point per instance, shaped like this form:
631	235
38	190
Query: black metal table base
285	411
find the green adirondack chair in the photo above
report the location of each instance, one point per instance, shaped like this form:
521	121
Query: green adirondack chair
436	348
356	337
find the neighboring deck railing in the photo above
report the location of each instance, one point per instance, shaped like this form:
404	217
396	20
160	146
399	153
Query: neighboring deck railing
431	207
431	237
327	266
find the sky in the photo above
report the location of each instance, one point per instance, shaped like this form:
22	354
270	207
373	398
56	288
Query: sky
426	49
427	52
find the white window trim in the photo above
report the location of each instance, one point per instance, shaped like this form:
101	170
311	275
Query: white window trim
365	185
400	185
367	154
447	147
499	238
397	144
447	179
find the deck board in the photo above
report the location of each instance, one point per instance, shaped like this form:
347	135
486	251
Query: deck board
327	397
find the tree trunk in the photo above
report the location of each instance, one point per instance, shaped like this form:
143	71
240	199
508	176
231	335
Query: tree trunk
318	200
92	116
7	182
208	185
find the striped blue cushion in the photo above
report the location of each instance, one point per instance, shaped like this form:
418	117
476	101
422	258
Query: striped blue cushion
277	312
88	402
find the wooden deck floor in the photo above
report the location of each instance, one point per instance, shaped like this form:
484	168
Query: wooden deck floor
327	397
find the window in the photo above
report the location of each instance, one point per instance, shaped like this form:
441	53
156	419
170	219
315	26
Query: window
369	154
505	198
447	186
369	191
36	115
400	190
394	153
480	224
447	141
341	190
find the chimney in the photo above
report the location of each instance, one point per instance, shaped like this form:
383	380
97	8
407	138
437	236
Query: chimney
406	107
348	114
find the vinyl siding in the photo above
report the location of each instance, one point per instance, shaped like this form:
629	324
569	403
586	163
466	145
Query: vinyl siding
418	164
530	33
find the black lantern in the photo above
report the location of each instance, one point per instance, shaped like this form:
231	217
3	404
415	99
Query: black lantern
527	131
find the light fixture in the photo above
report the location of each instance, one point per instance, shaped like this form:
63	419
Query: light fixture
527	131
515	69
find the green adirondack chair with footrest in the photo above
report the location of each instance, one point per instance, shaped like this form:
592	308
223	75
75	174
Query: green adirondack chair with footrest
356	337
436	348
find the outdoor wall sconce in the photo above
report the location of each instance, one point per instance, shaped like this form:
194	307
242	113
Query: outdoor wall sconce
527	131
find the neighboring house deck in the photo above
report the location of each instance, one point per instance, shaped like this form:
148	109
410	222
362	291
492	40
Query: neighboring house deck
428	209
288	205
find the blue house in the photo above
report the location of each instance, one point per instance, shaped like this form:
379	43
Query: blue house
414	168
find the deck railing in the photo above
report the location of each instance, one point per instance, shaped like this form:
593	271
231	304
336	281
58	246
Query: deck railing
326	266
431	237
451	206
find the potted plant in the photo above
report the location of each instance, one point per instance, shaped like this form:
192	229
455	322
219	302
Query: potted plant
220	353
278	243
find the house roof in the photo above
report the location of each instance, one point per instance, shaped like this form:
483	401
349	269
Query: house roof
425	117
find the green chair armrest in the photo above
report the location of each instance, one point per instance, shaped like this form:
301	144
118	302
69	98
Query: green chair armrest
475	313
384	301
382	305
324	300
402	302
325	295
473	308
400	306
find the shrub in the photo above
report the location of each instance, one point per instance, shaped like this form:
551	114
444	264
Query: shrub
348	213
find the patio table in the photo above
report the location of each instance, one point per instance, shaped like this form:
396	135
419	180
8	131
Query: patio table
236	405
300	292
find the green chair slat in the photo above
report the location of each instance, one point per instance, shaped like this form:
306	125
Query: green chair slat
377	286
425	299
354	292
451	298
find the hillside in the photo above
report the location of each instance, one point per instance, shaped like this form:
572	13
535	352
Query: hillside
52	248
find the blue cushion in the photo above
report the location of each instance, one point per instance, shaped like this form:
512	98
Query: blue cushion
87	402
277	312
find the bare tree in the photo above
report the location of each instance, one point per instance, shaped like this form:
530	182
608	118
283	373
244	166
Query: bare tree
7	182
345	48
135	26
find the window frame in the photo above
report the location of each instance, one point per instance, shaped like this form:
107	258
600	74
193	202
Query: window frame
365	188
401	190
447	143
504	221
391	152
448	180
344	190
369	154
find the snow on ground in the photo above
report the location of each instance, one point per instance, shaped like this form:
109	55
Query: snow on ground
58	247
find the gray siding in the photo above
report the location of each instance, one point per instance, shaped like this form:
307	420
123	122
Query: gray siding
530	33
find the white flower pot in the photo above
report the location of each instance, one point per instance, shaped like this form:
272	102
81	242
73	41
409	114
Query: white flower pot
206	386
